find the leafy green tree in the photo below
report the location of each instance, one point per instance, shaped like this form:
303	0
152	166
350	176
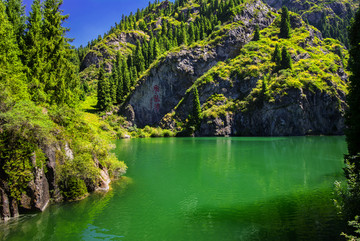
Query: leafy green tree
285	59
285	23
257	33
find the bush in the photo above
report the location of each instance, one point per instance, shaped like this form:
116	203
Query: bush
73	188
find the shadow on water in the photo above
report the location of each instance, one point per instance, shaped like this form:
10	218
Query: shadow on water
299	216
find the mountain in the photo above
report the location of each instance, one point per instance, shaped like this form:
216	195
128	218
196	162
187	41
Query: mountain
332	18
241	89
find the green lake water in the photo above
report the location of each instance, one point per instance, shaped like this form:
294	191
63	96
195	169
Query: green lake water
205	189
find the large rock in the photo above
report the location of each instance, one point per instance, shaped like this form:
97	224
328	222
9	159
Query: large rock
44	185
297	113
119	42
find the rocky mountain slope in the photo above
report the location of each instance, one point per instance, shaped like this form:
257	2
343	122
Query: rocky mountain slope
241	91
331	17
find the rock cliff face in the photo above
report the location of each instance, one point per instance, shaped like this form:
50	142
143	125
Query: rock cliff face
331	17
163	96
115	42
43	188
166	83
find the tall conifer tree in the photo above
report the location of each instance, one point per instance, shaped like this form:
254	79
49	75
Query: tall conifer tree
103	91
352	120
276	58
285	59
353	98
16	15
12	79
34	53
196	111
285	23
257	33
60	77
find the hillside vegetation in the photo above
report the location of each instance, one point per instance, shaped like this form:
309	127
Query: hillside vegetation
49	148
209	44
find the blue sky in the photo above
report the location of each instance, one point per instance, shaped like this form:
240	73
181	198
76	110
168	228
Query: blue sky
89	18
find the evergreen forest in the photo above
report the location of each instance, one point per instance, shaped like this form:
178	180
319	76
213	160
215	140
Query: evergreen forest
61	107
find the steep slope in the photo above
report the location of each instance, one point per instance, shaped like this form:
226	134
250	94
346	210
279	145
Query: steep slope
162	87
242	91
245	95
332	18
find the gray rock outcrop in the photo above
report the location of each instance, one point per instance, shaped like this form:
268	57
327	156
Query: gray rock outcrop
119	42
43	188
297	113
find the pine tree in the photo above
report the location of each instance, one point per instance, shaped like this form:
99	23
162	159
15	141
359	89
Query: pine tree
33	54
285	23
126	79
353	98
59	75
191	33
16	15
257	33
156	50
12	79
285	59
196	111
351	206
276	57
145	51
133	75
139	58
113	87
103	91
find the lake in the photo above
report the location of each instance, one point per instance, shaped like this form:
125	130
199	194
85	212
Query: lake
205	189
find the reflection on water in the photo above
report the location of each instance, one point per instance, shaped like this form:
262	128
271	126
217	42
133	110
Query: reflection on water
205	189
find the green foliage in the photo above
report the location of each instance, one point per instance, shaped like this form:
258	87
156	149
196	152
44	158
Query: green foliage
285	59
148	131
257	33
73	188
276	57
104	91
261	61
351	197
353	98
196	111
23	128
16	15
37	67
12	78
52	76
285	23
